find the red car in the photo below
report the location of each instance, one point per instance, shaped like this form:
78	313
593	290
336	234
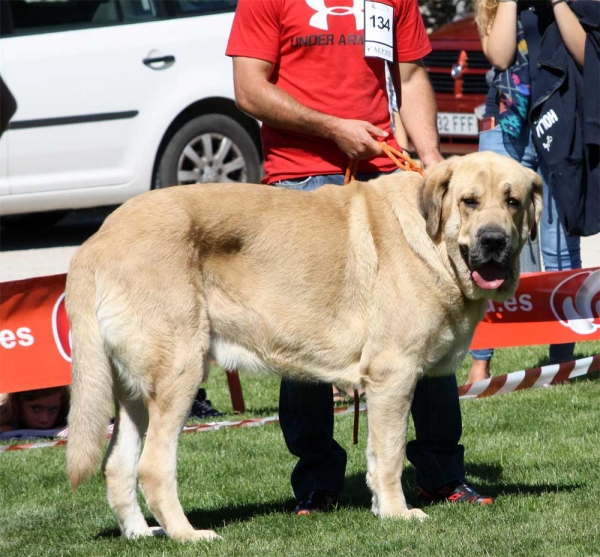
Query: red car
457	68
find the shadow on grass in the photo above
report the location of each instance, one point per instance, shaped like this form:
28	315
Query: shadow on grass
487	478
525	489
486	473
216	518
357	495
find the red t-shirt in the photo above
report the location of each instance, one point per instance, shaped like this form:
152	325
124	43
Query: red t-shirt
317	47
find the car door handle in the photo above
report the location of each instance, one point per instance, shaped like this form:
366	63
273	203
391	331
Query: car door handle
164	61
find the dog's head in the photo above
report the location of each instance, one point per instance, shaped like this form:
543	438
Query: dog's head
482	207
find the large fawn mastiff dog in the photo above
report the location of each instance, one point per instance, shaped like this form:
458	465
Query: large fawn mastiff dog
374	284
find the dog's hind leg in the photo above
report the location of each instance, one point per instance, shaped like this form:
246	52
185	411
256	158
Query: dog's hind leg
169	410
121	464
389	397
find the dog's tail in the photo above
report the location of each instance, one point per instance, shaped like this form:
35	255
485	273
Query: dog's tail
92	379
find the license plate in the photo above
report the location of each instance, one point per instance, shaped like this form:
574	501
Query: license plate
455	123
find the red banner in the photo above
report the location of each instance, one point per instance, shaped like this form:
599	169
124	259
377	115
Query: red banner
548	308
35	348
35	344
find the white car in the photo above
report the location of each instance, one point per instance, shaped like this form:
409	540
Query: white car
116	97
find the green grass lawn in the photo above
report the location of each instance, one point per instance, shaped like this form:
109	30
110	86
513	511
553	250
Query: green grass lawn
537	451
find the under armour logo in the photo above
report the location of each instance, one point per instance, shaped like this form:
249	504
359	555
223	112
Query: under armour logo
548	143
319	20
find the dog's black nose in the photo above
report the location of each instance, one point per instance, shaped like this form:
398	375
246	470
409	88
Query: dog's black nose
493	240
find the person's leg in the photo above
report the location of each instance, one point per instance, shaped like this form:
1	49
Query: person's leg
306	418
306	413
480	366
559	252
435	452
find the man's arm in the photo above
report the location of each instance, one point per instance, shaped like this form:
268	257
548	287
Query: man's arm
257	96
418	111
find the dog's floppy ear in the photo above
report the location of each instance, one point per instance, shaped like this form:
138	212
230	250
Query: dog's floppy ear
432	195
534	211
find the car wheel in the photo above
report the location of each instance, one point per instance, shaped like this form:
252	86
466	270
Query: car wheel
209	148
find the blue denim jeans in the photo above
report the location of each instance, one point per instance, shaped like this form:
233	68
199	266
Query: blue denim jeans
311	183
559	251
306	417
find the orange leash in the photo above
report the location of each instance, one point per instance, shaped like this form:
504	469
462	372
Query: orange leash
351	171
402	161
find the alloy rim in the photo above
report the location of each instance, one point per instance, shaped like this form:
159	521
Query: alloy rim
211	157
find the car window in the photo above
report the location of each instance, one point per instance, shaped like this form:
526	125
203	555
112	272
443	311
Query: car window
44	16
138	10
191	7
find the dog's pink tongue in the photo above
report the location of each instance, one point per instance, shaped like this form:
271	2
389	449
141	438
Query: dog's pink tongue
489	277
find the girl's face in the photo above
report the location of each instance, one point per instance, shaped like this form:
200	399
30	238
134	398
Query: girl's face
40	413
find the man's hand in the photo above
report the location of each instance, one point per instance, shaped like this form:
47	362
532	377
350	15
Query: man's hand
356	138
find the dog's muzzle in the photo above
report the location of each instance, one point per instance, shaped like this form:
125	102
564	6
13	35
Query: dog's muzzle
489	258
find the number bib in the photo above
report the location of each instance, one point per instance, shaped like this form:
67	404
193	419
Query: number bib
379	31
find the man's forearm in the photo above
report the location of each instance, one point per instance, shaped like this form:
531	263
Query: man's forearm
271	104
418	112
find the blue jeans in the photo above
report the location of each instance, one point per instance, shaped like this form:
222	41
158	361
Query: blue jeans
306	418
312	183
559	251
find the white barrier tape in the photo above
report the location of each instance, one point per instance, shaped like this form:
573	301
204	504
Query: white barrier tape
517	380
213	426
207	426
530	378
28	446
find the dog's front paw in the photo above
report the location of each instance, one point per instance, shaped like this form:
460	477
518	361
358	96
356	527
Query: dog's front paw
196	536
136	533
407	514
415	514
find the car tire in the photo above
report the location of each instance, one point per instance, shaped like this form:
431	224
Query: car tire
207	149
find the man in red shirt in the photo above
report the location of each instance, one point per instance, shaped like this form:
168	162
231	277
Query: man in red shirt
313	71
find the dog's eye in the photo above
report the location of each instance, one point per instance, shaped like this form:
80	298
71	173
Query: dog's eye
470	202
512	202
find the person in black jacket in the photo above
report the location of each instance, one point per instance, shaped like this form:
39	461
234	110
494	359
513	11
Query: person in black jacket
519	38
565	113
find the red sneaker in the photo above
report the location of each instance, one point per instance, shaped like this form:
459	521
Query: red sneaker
456	493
